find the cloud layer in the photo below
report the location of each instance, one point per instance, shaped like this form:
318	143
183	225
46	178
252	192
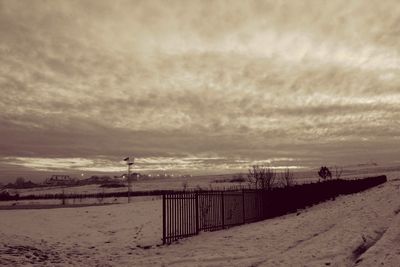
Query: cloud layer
254	80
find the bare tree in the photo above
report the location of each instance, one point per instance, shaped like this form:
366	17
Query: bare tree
287	178
338	172
324	173
262	177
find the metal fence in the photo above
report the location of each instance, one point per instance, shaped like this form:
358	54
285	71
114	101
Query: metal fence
180	216
187	213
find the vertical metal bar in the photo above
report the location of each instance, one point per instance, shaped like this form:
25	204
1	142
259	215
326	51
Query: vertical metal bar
210	205
182	213
222	209
164	219
179	210
207	215
178	221
172	233
187	213
169	218
192	214
168	211
244	217
217	209
201	208
213	221
213	213
192	223
176	215
198	208
172	212
203	212
197	212
190	217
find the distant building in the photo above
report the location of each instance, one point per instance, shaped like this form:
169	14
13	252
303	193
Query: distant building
60	180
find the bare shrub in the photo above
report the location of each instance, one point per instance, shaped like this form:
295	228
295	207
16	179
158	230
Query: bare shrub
262	177
287	178
338	172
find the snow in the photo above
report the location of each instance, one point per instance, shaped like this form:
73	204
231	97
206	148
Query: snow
360	229
171	183
386	251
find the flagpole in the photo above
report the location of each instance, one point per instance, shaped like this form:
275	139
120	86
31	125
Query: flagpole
129	164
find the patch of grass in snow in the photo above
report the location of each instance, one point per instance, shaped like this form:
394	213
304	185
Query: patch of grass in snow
365	245
361	249
397	211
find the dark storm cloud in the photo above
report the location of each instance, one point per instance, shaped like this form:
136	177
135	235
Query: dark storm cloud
231	79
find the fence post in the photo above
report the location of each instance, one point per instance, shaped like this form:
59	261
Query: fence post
244	216
197	212
164	220
222	210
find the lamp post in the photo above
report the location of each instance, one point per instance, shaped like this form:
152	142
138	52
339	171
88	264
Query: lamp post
129	164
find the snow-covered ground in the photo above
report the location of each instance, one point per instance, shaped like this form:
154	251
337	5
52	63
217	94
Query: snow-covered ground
170	183
362	229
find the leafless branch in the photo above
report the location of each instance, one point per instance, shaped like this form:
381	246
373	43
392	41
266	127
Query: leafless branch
261	177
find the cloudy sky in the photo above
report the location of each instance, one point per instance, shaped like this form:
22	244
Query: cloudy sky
200	86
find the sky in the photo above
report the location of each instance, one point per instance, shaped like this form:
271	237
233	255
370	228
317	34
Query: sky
197	86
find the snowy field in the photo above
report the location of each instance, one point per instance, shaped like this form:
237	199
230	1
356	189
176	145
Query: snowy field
362	229
171	183
177	183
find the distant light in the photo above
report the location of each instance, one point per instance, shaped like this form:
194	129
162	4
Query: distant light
82	174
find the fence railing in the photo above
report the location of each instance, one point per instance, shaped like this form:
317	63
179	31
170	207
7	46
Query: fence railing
187	213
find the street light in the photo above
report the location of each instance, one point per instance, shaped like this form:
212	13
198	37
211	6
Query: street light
129	164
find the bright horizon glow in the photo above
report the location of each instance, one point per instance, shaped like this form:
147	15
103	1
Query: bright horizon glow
152	164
